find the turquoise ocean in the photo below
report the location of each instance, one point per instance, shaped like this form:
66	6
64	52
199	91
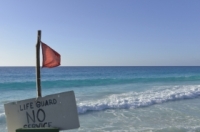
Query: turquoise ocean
123	99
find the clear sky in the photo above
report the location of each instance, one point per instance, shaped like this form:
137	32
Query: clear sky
102	32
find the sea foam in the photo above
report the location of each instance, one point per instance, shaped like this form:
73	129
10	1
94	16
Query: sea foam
140	99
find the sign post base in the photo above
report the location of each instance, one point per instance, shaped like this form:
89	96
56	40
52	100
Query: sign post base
38	130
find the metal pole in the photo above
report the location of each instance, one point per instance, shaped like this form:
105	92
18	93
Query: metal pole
38	81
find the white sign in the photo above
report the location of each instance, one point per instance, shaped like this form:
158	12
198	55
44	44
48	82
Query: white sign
58	111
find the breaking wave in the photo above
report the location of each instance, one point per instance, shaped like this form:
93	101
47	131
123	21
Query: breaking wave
140	99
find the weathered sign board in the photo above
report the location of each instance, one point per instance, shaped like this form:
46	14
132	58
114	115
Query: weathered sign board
57	110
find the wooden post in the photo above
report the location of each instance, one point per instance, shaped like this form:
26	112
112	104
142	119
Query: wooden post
39	94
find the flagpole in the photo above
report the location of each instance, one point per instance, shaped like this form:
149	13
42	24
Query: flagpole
38	81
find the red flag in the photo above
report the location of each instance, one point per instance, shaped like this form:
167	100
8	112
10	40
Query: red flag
50	57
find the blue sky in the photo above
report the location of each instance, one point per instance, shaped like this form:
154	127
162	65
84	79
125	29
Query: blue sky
102	32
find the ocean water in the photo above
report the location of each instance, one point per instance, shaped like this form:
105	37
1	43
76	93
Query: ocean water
123	99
